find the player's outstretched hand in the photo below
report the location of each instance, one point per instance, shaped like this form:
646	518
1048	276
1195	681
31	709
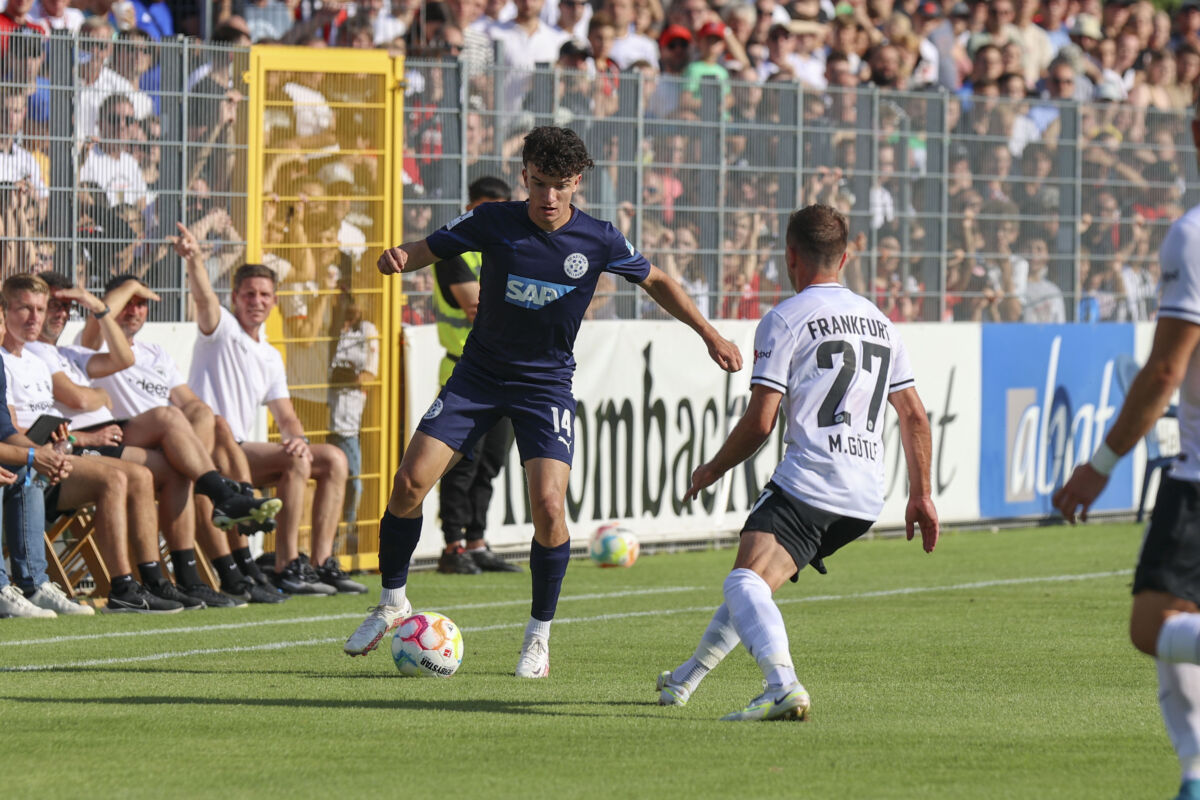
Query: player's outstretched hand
1081	490
392	261
921	512
725	353
703	477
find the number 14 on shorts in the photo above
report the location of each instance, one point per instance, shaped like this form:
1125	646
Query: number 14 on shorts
564	425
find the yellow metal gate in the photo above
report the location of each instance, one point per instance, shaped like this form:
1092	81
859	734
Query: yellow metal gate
324	200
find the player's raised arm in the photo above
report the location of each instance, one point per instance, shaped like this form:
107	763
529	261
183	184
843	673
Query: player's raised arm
208	307
675	301
744	440
407	257
918	453
1174	342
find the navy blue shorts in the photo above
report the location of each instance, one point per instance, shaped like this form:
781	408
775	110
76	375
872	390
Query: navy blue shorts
470	404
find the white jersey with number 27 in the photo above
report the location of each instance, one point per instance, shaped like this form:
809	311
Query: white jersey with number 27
836	358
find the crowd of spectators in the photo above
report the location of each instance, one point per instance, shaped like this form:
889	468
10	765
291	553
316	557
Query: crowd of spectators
1002	160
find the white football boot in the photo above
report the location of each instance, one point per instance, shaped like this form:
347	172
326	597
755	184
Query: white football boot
672	692
382	620
14	604
50	595
790	702
535	658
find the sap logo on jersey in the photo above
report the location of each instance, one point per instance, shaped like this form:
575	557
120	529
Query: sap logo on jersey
1054	392
529	293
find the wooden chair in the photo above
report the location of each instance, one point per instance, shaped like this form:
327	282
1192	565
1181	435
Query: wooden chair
72	553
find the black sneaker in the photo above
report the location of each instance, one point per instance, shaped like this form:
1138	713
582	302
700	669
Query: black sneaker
254	573
331	572
212	599
488	561
239	508
300	578
248	590
169	591
137	600
457	562
251	527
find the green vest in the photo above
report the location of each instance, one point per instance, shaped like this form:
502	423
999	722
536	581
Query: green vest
452	323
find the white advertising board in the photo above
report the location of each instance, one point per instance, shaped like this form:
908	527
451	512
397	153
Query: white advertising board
652	406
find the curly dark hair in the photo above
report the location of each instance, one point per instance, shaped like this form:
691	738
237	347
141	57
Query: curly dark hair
557	152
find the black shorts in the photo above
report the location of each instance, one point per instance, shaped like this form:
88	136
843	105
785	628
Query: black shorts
1170	557
807	533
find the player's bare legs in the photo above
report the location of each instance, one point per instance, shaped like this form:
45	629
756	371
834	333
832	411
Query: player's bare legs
548	556
273	465
123	494
331	470
425	461
177	521
166	428
92	481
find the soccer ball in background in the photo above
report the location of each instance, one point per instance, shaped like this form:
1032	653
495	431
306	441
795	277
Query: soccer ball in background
613	546
427	644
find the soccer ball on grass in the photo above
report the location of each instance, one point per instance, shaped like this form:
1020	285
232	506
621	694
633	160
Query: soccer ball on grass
613	546
427	644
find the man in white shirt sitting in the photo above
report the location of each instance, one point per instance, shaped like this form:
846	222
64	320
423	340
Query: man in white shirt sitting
122	491
236	370
154	433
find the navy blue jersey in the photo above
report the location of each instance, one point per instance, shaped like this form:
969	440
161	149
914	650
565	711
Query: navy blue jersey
534	286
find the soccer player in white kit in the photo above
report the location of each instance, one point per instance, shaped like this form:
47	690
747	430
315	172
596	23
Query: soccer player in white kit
827	357
1165	620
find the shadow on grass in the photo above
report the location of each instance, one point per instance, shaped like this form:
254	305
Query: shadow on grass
553	708
385	675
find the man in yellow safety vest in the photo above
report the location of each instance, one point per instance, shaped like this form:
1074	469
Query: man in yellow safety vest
466	490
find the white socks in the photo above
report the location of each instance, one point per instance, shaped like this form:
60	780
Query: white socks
1179	639
392	597
1178	697
760	626
718	639
536	627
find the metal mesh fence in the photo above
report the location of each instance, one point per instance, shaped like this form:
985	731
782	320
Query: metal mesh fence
324	185
975	207
108	143
967	207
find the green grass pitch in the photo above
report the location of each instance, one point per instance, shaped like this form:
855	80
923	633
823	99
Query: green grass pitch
998	667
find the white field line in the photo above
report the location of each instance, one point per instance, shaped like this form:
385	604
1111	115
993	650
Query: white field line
561	620
231	626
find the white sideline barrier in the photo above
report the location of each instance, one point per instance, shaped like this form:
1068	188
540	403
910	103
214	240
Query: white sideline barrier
655	371
651	403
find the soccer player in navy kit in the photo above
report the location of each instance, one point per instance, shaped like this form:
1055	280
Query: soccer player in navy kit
541	261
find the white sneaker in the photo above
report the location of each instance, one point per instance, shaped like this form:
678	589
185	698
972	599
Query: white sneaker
378	623
50	595
672	692
535	658
790	702
14	604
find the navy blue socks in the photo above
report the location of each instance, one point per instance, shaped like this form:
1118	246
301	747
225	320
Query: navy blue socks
397	540
547	566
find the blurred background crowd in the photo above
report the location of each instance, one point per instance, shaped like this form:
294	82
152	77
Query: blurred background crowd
999	161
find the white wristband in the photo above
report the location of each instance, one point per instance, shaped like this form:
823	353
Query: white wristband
1104	459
